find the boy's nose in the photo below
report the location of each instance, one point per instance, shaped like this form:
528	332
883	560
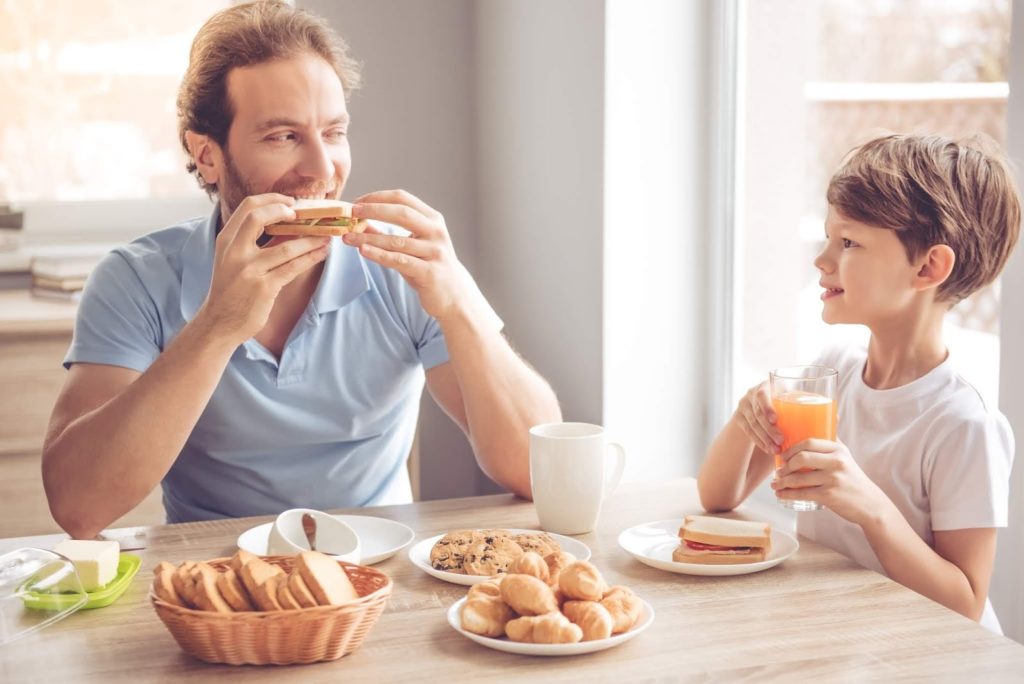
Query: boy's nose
823	263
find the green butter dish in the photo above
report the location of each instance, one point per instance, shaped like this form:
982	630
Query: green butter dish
127	566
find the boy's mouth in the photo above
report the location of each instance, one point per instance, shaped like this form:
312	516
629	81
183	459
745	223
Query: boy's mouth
831	292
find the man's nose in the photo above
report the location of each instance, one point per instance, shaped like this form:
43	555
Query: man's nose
316	161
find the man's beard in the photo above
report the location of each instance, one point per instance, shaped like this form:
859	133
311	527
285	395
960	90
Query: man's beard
233	188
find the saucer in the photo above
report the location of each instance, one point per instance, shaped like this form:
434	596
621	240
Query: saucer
379	538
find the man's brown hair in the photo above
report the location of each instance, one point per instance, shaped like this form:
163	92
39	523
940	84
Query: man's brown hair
245	35
934	190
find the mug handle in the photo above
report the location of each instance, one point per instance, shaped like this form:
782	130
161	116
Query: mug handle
620	465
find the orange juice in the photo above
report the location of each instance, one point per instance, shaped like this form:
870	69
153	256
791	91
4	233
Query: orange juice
803	415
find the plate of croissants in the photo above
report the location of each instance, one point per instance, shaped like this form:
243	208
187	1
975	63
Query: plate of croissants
536	609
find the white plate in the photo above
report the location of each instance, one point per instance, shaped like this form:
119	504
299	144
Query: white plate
420	556
652	543
579	648
379	538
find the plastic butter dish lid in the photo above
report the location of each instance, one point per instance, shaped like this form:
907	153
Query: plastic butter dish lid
39	588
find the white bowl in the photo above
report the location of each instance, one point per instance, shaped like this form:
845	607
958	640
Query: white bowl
333	537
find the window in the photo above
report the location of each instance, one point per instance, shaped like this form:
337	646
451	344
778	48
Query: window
821	77
88	111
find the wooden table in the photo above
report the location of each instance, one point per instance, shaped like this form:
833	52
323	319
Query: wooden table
816	616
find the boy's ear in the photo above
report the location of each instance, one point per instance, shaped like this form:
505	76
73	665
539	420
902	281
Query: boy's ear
936	265
207	155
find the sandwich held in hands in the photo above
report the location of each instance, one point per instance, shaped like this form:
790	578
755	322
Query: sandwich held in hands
319	217
722	541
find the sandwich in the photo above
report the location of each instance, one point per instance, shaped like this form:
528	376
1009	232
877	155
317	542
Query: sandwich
319	217
722	541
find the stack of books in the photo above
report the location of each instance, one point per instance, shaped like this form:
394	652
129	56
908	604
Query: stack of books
62	275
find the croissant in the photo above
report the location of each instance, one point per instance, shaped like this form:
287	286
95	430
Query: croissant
556	562
527	595
582	581
491	587
593	618
550	628
624	607
531	563
486	615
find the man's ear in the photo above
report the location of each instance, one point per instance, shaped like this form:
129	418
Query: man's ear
935	267
207	155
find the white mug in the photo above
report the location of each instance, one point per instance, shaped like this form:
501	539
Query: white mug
569	474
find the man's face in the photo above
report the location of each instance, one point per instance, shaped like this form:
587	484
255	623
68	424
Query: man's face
289	133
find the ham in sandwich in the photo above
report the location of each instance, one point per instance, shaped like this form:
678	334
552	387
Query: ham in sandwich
722	541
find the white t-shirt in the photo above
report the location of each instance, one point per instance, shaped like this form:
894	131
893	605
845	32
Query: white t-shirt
933	446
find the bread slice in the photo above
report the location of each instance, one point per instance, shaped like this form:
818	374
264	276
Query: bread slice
726	532
163	585
233	592
284	596
239	560
299	591
255	575
184	584
265	594
208	596
326	580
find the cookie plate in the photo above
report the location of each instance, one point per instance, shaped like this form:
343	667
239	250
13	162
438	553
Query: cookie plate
653	543
419	554
504	644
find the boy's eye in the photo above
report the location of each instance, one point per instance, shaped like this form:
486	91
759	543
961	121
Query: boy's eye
848	243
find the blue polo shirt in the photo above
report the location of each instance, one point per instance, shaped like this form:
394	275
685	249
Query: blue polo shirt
329	425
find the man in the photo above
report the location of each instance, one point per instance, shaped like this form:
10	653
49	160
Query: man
249	379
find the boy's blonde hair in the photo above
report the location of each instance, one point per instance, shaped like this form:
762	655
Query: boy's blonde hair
244	35
935	190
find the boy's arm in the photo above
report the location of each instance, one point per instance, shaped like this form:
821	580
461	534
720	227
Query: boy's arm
732	469
956	573
740	457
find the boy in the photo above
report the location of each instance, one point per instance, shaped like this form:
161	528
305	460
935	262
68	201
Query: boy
917	482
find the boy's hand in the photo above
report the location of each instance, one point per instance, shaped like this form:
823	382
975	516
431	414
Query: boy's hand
756	417
824	471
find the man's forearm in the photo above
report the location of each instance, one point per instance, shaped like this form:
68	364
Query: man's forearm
503	399
105	462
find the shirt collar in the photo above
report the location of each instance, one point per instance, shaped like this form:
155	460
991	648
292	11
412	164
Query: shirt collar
344	278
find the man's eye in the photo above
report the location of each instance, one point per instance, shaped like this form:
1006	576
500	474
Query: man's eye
281	137
335	134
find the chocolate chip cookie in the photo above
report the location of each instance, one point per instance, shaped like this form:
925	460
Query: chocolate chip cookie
540	543
449	552
490	555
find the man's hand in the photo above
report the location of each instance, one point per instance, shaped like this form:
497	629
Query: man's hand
426	259
247	279
824	471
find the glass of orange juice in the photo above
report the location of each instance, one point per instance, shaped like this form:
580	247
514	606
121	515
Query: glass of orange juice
804	398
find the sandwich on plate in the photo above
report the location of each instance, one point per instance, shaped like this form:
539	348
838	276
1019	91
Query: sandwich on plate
319	217
722	541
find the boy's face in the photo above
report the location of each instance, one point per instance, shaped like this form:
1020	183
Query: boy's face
867	276
289	133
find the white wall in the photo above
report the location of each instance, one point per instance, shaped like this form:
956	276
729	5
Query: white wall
540	100
656	233
1007	590
412	127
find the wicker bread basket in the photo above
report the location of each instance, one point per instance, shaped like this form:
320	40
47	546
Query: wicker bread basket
286	637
